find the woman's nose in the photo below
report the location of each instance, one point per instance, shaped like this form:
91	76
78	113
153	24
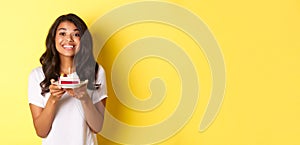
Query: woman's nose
70	38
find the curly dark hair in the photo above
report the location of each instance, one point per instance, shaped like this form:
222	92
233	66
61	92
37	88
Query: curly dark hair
84	61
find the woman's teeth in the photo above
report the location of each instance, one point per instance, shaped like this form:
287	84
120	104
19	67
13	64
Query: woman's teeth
68	46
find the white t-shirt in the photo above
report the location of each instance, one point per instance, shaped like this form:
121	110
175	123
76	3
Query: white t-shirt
69	126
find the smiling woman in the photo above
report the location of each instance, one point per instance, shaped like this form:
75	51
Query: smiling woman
67	116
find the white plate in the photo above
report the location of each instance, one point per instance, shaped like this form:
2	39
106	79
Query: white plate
71	86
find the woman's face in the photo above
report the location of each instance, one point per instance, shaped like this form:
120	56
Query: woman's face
67	39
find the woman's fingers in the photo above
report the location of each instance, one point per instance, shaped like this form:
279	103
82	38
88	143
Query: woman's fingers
55	87
82	88
55	90
58	94
70	92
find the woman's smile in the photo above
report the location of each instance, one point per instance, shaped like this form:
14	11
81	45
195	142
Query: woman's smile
68	47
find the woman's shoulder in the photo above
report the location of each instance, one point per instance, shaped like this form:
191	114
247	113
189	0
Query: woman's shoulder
100	69
100	73
37	72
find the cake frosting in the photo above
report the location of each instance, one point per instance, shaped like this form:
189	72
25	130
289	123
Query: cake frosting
71	79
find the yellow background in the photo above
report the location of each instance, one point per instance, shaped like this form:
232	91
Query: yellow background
259	41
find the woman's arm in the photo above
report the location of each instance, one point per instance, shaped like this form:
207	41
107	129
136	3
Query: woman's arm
94	114
43	117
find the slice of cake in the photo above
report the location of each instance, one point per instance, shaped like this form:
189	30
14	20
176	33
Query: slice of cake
71	79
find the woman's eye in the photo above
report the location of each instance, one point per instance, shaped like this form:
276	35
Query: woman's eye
62	33
77	34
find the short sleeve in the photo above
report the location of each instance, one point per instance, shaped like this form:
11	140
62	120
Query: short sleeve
101	92
34	89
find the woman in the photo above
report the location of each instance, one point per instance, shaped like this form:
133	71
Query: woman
67	116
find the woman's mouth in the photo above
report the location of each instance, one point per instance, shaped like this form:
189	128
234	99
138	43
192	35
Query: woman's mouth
69	47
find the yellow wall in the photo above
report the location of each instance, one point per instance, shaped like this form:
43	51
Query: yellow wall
260	45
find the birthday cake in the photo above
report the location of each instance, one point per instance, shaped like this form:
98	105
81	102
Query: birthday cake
70	79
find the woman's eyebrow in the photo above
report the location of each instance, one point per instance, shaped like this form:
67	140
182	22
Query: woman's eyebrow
66	29
61	29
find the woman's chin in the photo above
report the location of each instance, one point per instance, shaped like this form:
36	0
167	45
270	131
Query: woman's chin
67	55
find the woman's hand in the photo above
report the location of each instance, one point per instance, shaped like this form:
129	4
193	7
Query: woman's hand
94	113
79	93
56	91
43	117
